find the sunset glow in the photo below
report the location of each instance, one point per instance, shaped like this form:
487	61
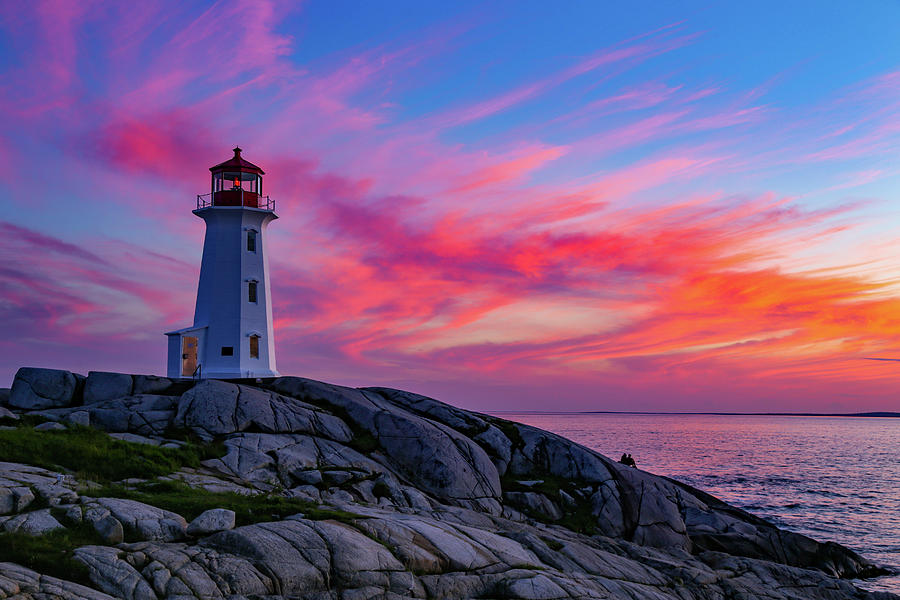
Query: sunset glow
509	207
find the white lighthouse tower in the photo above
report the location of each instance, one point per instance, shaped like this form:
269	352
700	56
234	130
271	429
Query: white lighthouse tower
232	336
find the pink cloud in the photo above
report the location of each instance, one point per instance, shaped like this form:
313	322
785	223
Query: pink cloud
508	170
173	143
67	292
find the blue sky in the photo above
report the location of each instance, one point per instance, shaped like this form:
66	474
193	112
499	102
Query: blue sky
651	203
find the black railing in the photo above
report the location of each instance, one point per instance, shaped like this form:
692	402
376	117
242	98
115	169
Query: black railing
263	202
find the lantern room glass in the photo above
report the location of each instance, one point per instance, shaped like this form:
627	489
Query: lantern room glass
231	180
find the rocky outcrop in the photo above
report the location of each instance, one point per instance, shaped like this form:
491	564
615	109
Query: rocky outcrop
37	522
408	497
21	485
212	521
21	583
101	386
143	414
441	460
145	522
34	389
218	408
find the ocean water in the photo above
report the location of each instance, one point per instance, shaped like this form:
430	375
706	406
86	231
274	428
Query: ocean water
831	478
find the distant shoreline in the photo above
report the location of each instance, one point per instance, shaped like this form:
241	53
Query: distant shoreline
890	415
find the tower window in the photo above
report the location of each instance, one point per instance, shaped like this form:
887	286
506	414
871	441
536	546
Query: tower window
254	346
251	241
227	350
251	290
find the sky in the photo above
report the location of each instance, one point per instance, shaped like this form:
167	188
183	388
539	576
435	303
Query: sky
507	206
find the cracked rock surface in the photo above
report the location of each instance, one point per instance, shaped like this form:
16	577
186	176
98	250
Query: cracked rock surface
415	499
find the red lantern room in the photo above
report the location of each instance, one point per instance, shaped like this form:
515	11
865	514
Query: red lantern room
236	182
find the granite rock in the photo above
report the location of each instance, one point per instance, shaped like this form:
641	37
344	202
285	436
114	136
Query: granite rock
15	499
143	414
147	522
211	521
535	503
34	388
20	583
443	461
33	523
403	497
101	386
150	384
109	529
216	407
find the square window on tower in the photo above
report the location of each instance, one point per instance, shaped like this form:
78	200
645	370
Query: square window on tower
227	350
251	292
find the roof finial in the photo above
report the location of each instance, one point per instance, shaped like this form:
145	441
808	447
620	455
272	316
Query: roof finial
237	151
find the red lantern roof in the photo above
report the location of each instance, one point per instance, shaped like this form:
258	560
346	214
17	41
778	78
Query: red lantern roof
236	163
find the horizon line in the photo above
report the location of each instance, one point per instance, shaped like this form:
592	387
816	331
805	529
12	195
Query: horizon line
870	414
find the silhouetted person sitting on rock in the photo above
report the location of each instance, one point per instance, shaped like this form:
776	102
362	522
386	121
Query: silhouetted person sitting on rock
627	460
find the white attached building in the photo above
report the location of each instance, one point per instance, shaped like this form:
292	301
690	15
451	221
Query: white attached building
232	335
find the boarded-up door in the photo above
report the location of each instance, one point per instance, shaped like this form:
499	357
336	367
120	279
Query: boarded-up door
188	356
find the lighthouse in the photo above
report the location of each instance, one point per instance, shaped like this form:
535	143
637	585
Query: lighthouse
232	335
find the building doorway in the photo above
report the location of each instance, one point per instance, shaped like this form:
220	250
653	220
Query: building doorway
188	356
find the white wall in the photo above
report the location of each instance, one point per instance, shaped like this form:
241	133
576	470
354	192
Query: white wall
222	293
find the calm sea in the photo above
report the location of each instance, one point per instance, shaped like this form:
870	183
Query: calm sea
831	478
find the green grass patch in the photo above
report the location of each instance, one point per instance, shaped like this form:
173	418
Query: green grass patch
577	518
555	545
189	502
92	454
363	441
52	553
381	490
580	521
509	429
25	420
547	484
